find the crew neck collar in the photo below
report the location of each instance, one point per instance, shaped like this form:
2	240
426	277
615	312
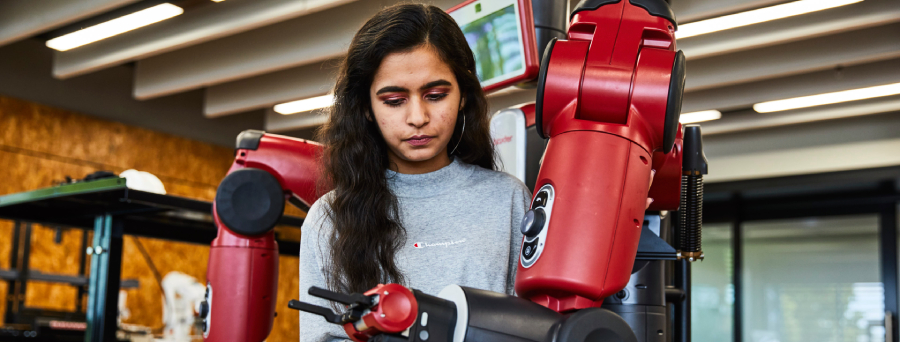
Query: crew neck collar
431	183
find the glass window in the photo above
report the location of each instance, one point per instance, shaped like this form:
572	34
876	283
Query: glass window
812	279
712	291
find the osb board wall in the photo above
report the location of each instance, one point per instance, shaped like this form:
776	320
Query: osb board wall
40	145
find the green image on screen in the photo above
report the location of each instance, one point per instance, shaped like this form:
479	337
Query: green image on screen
494	40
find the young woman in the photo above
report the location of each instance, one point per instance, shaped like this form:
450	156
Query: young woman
416	200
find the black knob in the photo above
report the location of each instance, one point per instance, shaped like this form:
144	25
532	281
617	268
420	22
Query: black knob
250	201
204	309
533	222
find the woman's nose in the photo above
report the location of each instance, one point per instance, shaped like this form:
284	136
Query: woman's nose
418	114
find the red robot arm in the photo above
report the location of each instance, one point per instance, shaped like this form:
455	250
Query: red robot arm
242	273
609	99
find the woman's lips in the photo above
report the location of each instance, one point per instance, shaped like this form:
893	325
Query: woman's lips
419	140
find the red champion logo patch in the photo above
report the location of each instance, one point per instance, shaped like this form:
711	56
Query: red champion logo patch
503	140
438	244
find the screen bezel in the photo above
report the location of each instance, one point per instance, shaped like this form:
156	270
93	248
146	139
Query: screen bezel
530	69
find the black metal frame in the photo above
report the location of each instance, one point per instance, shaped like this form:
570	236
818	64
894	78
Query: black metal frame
873	191
111	210
18	276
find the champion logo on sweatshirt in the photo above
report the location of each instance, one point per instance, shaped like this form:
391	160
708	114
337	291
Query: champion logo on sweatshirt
438	244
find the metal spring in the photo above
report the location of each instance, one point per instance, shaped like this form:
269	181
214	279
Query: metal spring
691	213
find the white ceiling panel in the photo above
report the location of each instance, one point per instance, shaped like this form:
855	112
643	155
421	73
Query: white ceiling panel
194	27
749	120
24	18
692	10
847	48
868	13
746	94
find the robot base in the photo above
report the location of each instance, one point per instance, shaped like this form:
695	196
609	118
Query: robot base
591	325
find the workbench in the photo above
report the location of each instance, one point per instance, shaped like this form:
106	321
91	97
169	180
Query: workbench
110	209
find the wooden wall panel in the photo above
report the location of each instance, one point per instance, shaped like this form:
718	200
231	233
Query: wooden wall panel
41	145
50	296
101	143
49	257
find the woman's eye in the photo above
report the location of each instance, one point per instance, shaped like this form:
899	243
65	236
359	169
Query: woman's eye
394	102
435	97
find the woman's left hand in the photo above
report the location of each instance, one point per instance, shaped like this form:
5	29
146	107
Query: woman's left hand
650	200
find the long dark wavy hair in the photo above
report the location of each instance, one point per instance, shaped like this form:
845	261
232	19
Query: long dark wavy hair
363	211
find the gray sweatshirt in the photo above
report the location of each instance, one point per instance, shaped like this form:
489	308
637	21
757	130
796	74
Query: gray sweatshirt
462	227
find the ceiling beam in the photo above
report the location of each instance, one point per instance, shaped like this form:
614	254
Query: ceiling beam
279	123
194	27
807	160
843	49
21	19
275	47
270	89
692	10
864	14
744	95
835	145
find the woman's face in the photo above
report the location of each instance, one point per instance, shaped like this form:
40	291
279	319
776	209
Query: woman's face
415	101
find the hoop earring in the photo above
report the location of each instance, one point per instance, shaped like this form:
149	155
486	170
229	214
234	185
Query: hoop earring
460	135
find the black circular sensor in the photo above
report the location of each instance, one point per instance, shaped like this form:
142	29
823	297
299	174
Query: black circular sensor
250	201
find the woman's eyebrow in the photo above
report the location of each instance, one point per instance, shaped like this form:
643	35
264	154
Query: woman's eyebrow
390	89
433	84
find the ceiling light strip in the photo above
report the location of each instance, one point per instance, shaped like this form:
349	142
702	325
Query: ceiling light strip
305	105
694	117
114	27
828	98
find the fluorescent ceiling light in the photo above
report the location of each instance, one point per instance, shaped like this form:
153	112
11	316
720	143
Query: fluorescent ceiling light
828	98
757	16
706	115
116	26
305	104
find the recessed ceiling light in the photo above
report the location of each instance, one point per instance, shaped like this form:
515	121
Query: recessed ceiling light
305	105
757	16
828	98
116	26
706	115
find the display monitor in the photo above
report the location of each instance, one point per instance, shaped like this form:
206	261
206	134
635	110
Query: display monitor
501	36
